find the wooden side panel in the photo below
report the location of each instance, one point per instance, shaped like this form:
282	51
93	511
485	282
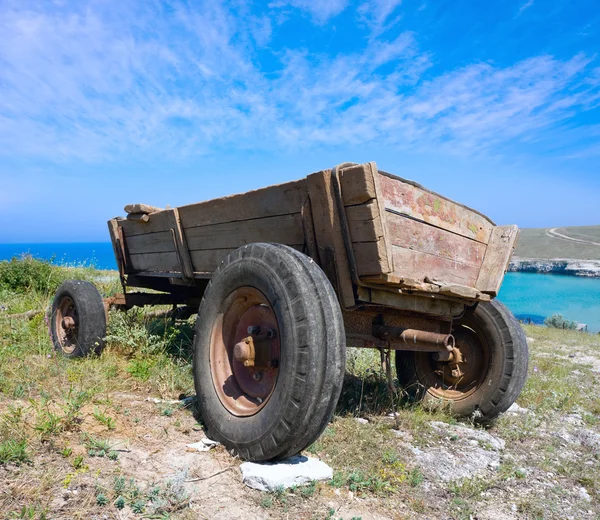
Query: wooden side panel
212	229
366	219
499	251
419	265
416	236
284	229
207	260
333	257
155	262
159	242
273	201
407	199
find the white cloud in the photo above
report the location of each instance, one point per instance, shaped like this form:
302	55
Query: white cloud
320	10
376	13
111	80
525	6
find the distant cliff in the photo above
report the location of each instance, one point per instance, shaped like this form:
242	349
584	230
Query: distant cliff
556	266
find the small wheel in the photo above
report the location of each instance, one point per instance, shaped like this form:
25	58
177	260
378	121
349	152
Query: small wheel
78	319
485	373
269	352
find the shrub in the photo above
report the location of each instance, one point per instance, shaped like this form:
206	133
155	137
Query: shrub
25	274
558	321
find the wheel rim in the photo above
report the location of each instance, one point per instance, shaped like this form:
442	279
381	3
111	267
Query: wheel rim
246	313
438	378
66	325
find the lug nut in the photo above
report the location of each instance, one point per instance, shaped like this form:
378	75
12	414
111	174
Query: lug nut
271	333
254	330
258	376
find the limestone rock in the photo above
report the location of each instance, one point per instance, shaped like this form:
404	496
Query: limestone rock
295	471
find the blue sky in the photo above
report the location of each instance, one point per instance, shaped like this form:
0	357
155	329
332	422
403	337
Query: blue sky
103	103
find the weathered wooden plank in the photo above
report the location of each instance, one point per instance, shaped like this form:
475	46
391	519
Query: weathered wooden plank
364	222
333	257
380	199
207	260
410	302
357	184
181	246
142	218
418	265
499	251
407	199
141	208
155	262
160	242
283	199
370	257
418	236
113	230
160	221
283	229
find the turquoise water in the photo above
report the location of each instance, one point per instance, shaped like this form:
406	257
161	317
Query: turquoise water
536	296
528	295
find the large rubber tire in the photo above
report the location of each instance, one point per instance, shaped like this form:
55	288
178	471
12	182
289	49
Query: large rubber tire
312	352
503	354
82	302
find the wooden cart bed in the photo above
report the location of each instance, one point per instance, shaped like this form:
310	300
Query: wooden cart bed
365	227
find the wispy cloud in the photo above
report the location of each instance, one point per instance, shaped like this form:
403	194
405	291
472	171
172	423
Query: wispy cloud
107	80
320	10
525	6
376	14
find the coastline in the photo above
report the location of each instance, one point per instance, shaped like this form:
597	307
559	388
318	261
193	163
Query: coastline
564	266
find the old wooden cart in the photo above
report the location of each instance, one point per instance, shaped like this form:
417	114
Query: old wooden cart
284	278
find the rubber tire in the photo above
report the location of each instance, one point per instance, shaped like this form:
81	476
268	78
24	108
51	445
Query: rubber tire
92	318
506	371
313	352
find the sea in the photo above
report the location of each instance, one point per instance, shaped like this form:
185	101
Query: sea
530	296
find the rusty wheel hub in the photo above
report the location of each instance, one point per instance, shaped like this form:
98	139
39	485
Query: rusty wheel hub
457	374
67	324
244	352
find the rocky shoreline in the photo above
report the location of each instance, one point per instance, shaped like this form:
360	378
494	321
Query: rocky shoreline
566	266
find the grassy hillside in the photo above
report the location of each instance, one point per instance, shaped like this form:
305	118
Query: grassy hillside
578	243
107	436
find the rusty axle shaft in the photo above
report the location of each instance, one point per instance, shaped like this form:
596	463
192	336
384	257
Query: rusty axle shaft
413	339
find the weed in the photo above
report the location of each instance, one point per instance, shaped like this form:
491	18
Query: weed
138	506
101	499
120	502
66	452
309	490
104	419
78	462
415	477
14	451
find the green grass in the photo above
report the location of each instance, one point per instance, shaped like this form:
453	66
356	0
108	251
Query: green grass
44	396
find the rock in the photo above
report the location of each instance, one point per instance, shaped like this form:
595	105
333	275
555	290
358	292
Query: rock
589	439
573	418
480	437
515	409
448	466
295	471
361	420
584	495
204	444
